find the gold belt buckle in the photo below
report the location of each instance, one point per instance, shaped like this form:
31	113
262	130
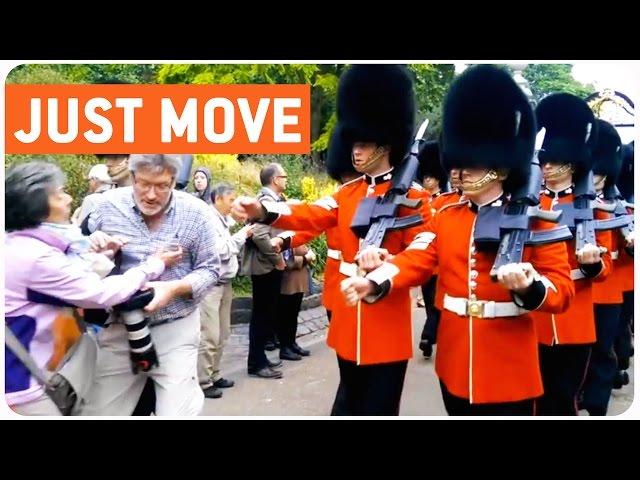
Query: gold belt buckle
475	308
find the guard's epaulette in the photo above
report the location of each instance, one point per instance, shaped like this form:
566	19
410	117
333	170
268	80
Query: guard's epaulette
417	186
457	204
444	194
351	182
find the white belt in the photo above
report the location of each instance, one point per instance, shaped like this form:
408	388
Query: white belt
576	274
335	254
614	255
482	308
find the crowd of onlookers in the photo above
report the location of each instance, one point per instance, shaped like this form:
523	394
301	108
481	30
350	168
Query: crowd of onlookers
135	232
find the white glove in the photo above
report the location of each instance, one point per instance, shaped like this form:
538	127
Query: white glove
517	276
371	258
310	256
630	239
590	254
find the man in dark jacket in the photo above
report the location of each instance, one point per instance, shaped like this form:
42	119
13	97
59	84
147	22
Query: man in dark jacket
265	267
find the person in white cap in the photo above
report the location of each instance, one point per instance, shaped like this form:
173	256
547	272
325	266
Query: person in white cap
99	182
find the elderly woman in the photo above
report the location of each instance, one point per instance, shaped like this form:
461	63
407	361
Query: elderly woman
41	280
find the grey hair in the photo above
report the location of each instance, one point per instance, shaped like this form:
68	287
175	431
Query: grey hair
268	172
155	162
220	190
27	187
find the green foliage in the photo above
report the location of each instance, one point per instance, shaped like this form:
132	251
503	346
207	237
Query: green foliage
322	142
75	167
82	73
241	286
431	84
551	78
328	83
226	168
319	246
237	73
37	74
296	167
322	78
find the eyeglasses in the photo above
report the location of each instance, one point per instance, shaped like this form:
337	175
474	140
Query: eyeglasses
159	187
281	176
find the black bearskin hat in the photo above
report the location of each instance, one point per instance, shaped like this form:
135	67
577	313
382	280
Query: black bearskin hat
571	130
625	179
376	104
338	161
488	122
607	153
429	158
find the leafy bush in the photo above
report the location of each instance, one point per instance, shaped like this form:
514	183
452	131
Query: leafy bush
75	168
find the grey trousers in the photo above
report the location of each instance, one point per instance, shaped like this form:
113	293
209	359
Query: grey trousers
116	389
39	407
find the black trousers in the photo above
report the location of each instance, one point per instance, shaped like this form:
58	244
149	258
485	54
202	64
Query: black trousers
266	290
369	389
563	369
430	330
623	344
603	365
289	308
458	406
329	316
147	402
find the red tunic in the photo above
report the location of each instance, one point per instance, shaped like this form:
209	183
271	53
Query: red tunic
367	333
485	360
577	324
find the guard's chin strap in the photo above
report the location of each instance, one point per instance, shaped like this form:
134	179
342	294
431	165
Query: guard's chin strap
372	161
489	177
599	186
558	172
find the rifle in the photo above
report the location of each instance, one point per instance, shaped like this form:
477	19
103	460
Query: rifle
578	216
612	194
517	215
376	216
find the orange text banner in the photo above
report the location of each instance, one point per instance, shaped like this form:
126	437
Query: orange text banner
157	119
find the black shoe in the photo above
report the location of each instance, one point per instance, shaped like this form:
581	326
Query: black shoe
212	392
223	383
269	346
623	363
276	364
266	372
625	378
620	380
596	411
299	350
286	353
427	348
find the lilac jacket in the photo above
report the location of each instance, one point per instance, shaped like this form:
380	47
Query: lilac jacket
37	271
